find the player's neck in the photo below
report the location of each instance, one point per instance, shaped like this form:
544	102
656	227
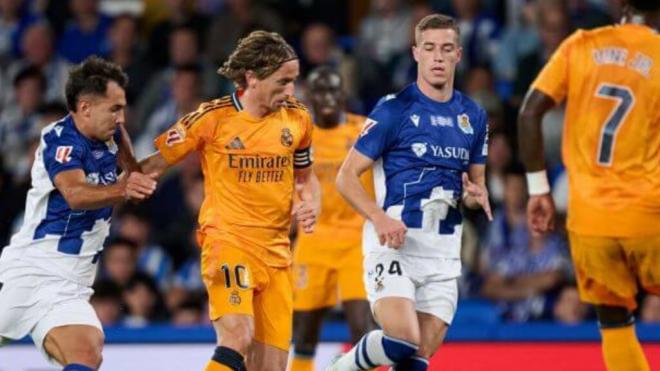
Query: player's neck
439	94
252	106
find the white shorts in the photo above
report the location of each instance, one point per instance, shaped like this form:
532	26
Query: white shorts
33	302
420	279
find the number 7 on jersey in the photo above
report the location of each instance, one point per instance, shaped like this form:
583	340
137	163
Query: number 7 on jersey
625	101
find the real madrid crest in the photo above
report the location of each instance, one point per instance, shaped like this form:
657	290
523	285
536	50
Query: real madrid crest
286	138
464	123
234	298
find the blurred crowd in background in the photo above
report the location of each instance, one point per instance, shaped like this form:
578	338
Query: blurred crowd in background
170	49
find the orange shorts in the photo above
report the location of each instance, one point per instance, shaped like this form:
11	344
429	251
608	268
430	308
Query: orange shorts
608	269
239	283
319	283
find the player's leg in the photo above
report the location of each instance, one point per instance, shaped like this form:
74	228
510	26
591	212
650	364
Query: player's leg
354	296
306	331
314	293
606	279
392	293
231	277
436	302
77	347
359	318
273	322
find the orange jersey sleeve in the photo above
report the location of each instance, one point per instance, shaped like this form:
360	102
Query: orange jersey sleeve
190	132
611	139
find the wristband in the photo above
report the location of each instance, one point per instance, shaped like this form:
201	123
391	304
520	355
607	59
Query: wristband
537	183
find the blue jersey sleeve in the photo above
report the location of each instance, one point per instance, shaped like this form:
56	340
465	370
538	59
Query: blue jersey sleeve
62	153
378	133
479	152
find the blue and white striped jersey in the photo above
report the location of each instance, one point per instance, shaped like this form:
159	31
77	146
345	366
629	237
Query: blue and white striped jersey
420	148
58	239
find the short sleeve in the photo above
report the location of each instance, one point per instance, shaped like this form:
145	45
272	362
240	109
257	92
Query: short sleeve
308	128
553	78
61	153
479	151
378	132
186	135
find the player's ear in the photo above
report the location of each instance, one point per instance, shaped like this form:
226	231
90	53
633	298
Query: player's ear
459	53
415	53
250	79
84	106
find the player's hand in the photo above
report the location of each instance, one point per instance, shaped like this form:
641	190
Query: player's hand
305	215
391	232
474	192
541	213
139	186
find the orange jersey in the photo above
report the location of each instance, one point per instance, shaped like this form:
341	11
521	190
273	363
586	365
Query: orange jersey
248	166
611	140
339	225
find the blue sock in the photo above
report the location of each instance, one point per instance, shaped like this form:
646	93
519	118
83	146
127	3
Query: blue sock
76	367
414	363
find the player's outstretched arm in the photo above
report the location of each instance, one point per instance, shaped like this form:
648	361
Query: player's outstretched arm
540	207
80	195
155	163
308	189
390	231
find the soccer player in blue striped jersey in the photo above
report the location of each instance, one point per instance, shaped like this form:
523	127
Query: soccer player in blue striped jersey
427	146
48	268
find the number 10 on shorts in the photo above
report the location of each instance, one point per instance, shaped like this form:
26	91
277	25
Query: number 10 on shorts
238	276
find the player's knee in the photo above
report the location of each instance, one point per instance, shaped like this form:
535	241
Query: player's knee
397	349
613	316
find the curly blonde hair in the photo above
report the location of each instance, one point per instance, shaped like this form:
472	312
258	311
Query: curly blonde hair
261	52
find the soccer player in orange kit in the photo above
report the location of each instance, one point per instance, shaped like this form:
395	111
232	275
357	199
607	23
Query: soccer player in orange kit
327	264
255	150
611	149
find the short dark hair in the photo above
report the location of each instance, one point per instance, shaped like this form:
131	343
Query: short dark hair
30	72
645	5
260	51
436	21
92	77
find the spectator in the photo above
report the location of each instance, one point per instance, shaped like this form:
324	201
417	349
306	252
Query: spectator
236	20
38	51
184	97
384	35
107	302
189	313
143	302
19	123
14	19
181	13
86	33
134	225
522	272
569	309
553	27
480	32
184	49
119	262
126	50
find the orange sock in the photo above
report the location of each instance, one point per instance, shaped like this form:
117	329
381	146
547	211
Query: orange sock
622	350
302	364
215	366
